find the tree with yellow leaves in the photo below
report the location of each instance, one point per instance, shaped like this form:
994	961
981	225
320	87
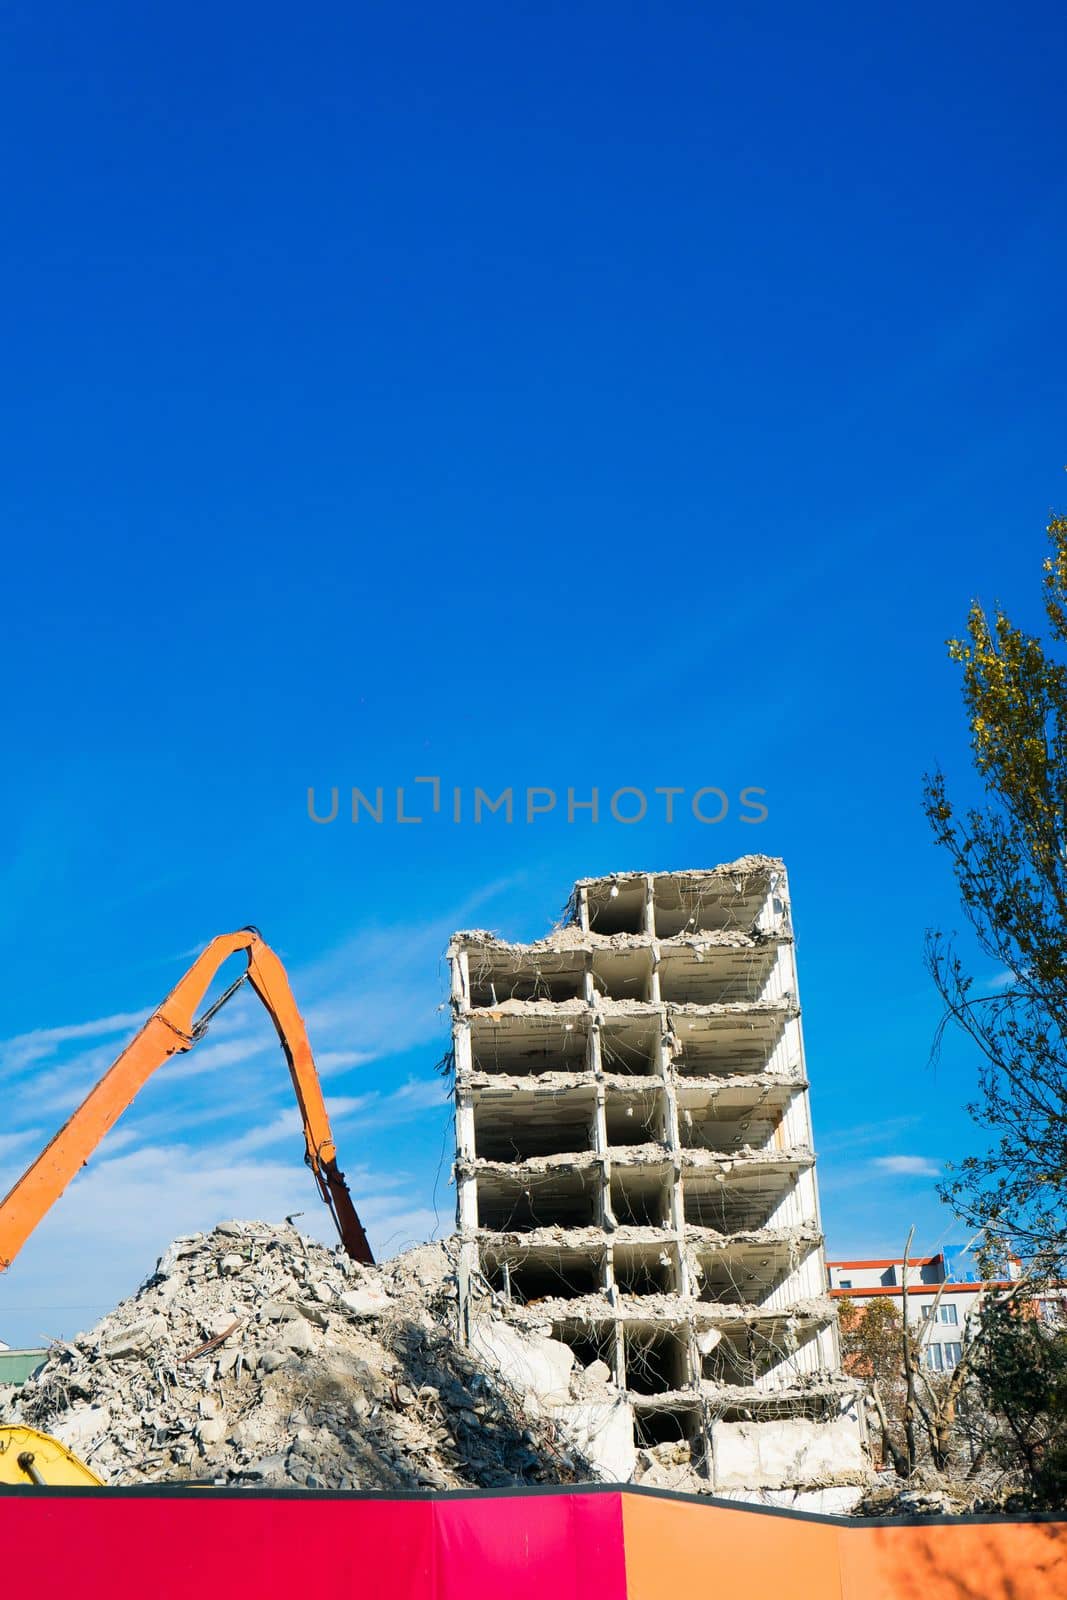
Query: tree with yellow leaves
1010	862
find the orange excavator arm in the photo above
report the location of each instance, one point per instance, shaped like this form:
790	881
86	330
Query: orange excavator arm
172	1028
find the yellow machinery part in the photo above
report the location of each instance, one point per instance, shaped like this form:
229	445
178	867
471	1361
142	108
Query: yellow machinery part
29	1457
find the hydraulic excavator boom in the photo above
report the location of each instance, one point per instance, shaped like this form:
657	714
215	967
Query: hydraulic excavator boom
170	1030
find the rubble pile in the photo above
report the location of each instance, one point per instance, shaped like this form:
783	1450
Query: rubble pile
255	1355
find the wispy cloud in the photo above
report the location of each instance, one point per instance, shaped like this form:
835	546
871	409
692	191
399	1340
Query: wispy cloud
287	1124
59	1088
10	1142
219	1054
23	1049
385	989
864	1134
907	1166
329	1061
418	1094
375	1110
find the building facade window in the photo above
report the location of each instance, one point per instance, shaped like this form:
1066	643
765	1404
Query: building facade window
953	1352
948	1314
934	1358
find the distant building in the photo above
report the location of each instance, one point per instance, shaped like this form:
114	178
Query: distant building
953	1272
17	1365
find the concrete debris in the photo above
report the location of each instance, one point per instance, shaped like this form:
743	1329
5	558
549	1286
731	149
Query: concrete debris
793	1451
573	938
988	1492
752	866
254	1355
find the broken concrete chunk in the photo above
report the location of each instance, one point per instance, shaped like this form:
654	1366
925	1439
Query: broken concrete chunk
269	1467
251	1433
369	1301
313	1313
271	1360
80	1426
177	1252
296	1335
536	1366
220	1322
278	1311
776	1454
226	1362
604	1431
137	1337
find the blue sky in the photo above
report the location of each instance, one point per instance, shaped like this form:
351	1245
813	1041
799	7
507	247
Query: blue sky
560	396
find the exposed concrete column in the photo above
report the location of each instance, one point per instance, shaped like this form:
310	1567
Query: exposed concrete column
611	1287
653	993
596	1060
806	1198
692	1356
786	1059
466	1182
781	979
461	980
596	1066
796	1121
774	914
464	1067
800	1121
594	1055
618	1353
672	1138
588	987
600	1138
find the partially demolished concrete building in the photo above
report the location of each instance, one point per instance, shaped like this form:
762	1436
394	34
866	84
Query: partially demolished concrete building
635	1171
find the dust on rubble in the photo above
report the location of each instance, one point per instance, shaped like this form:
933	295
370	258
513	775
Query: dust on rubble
255	1355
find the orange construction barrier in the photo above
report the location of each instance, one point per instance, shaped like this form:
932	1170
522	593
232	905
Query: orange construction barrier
678	1548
